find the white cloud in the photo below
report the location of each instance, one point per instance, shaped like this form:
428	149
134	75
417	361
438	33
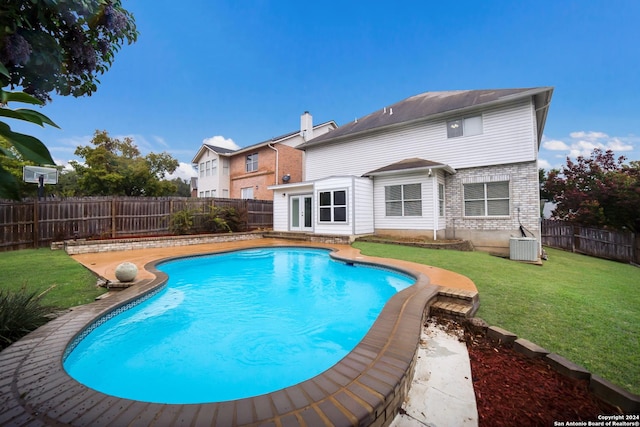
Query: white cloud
555	145
184	171
544	164
591	135
222	142
617	145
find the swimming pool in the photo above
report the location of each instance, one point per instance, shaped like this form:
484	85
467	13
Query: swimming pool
235	325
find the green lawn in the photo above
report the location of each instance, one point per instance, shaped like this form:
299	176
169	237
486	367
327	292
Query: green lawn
40	269
583	308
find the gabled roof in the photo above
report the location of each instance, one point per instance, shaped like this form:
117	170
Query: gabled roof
431	105
410	165
277	139
218	150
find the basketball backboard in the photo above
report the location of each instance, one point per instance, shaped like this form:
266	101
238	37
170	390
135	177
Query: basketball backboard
32	174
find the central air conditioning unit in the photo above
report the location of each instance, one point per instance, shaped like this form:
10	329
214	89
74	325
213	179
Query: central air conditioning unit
523	249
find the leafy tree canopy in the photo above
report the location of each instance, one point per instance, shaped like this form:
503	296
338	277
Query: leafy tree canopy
599	190
61	45
114	167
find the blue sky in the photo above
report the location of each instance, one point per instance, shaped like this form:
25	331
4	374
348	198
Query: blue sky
241	72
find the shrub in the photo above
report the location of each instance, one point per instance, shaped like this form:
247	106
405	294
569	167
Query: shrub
181	222
20	313
224	219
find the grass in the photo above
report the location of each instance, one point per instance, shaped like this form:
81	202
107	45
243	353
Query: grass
582	308
70	284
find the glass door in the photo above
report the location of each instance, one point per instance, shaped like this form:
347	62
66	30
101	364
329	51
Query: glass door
301	213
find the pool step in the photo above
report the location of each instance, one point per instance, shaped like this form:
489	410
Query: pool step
456	304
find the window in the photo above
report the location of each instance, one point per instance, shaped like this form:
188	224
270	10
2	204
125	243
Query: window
252	162
440	200
486	199
403	200
225	166
247	193
201	170
202	194
464	127
207	193
208	168
225	194
333	206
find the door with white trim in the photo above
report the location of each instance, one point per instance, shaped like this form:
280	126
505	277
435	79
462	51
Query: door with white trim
301	208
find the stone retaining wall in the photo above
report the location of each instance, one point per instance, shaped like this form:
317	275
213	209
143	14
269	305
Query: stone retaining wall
75	247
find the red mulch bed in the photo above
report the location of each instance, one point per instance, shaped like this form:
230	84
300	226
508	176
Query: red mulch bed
514	390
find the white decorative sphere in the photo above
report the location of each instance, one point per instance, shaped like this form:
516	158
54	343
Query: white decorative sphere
126	272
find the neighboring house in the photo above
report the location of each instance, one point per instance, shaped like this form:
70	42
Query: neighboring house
247	172
455	164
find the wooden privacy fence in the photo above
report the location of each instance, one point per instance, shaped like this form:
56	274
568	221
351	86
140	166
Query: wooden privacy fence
33	223
616	245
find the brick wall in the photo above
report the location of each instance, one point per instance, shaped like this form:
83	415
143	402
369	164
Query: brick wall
493	233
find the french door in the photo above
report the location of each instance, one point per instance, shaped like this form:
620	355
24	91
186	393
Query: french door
301	213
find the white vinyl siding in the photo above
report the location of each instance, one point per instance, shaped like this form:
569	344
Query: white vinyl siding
508	136
486	199
423	222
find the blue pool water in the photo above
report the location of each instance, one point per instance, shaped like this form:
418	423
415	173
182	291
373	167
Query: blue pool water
235	325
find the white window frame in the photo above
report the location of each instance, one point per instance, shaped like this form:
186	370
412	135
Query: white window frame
208	168
334	208
246	193
202	170
465	126
214	167
489	203
252	162
225	166
440	200
404	201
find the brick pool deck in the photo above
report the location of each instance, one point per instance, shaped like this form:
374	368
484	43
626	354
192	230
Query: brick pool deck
366	387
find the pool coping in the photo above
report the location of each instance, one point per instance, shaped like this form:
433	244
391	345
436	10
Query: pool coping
366	387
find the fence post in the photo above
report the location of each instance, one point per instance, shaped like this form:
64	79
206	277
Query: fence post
36	226
113	217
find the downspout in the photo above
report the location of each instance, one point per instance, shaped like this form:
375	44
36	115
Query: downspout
436	206
277	155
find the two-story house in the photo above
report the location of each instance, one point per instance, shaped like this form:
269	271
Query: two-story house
454	164
248	172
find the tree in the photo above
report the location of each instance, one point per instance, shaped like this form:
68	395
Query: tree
116	168
61	45
17	149
183	189
599	191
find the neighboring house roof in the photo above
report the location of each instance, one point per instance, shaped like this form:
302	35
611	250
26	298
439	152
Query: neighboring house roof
410	165
218	150
430	105
277	139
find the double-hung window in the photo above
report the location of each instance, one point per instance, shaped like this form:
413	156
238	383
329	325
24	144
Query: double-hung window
246	193
486	199
214	167
201	170
333	206
464	127
252	162
403	200
440	200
